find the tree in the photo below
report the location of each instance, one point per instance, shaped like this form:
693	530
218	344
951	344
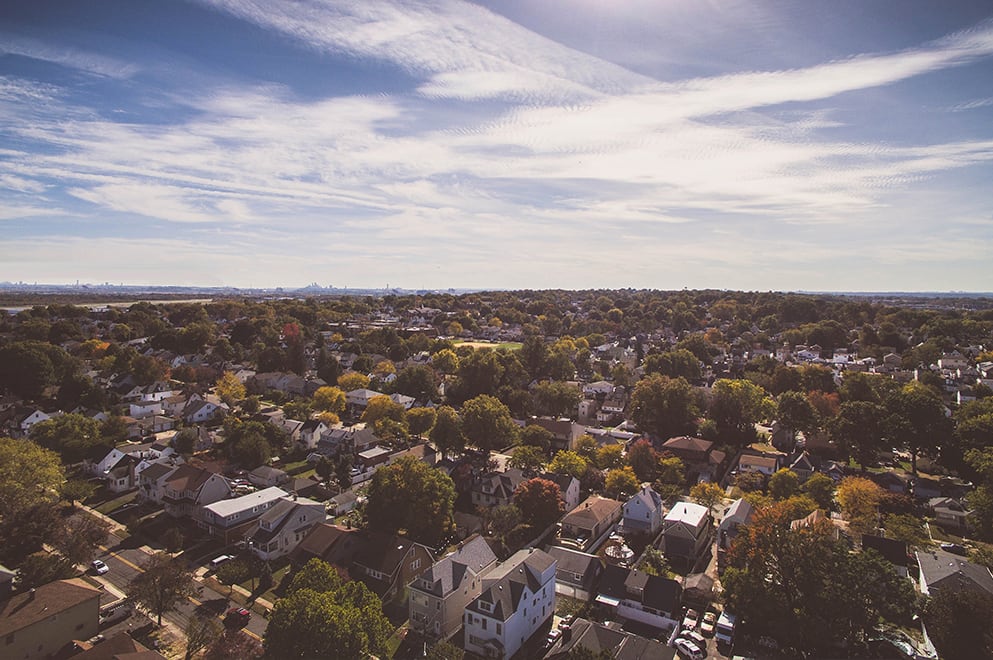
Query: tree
906	528
79	537
42	568
353	380
383	407
418	381
917	420
536	436
796	413
233	645
420	420
446	434
26	369
609	457
411	495
445	361
707	493
653	562
960	623
444	651
643	460
859	499
527	459
784	484
665	407
678	363
329	398
326	618
200	631
858	430
229	388
621	483
820	488
736	406
162	584
77	490
555	398
73	436
233	572
539	501
487	424
568	462
29	475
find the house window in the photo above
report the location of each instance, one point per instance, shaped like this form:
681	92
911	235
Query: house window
499	629
484	624
414	565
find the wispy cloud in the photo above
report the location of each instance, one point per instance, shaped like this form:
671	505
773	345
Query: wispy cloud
68	57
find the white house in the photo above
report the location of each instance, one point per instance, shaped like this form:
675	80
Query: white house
229	518
143	409
643	512
569	488
198	412
311	432
685	532
281	528
33	417
518	597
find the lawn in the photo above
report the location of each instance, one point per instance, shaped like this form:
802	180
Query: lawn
111	505
508	345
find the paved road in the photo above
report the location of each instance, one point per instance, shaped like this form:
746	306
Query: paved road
125	563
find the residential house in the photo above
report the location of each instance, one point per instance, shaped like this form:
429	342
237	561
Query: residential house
564	431
801	464
373	457
816	517
199	411
603	641
151	481
576	573
120	646
311	432
739	513
357	400
265	476
496	488
685	533
939	570
188	488
143	409
569	488
283	525
388	564
29	418
439	596
763	463
949	513
44	621
633	595
230	519
698	455
343	503
893	551
402	399
585	527
598	389
335	545
643	512
517	599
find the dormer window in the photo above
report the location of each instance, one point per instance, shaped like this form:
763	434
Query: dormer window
485	606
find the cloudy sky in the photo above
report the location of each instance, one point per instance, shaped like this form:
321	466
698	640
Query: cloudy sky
735	144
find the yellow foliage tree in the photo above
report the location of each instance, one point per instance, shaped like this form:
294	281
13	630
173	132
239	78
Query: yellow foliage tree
859	499
229	388
330	399
353	380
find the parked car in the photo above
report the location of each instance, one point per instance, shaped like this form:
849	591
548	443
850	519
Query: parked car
694	637
567	621
691	619
688	649
99	567
237	617
955	548
217	561
708	624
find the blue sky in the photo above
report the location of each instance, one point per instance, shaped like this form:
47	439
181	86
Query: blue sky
741	144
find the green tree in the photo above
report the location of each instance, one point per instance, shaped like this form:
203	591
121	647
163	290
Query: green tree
420	420
487	424
233	572
960	623
539	501
784	484
555	398
736	405
537	436
72	436
418	381
653	562
917	420
795	413
326	618
528	459
162	584
200	631
77	490
446	361
79	537
609	457
665	407
446	434
820	488
42	568
679	363
29	475
353	380
643	460
411	495
858	430
906	528
621	483
26	369
707	493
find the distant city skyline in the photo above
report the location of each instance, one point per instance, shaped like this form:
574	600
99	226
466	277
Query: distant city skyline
577	144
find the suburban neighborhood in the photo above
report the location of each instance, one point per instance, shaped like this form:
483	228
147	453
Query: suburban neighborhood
532	474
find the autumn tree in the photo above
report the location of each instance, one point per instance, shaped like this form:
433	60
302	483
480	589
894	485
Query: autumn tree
609	457
643	460
707	493
420	420
568	462
229	388
784	484
411	495
487	424
329	398
621	483
859	499
446	361
353	380
539	501
162	584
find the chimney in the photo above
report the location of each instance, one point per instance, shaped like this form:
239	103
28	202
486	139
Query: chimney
31	594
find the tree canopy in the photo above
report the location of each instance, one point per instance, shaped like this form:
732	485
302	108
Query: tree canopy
411	495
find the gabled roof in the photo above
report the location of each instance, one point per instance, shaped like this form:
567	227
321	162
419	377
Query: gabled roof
572	561
647	497
331	543
473	556
687	513
591	511
188	477
687	443
510	581
943	570
156	471
42	603
385	553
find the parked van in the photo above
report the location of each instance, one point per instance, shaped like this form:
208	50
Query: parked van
115	612
725	628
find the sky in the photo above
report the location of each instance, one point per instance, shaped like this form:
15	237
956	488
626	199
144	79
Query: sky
667	144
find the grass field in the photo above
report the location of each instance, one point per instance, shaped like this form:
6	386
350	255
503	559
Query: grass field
508	345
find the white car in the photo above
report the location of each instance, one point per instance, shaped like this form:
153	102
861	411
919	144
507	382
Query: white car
688	649
99	567
694	637
217	561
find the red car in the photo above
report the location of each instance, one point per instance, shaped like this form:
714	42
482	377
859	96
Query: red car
237	617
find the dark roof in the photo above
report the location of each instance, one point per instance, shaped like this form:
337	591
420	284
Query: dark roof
331	543
612	581
687	443
41	603
188	477
943	570
592	510
384	553
118	647
156	471
519	573
891	550
572	561
473	555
